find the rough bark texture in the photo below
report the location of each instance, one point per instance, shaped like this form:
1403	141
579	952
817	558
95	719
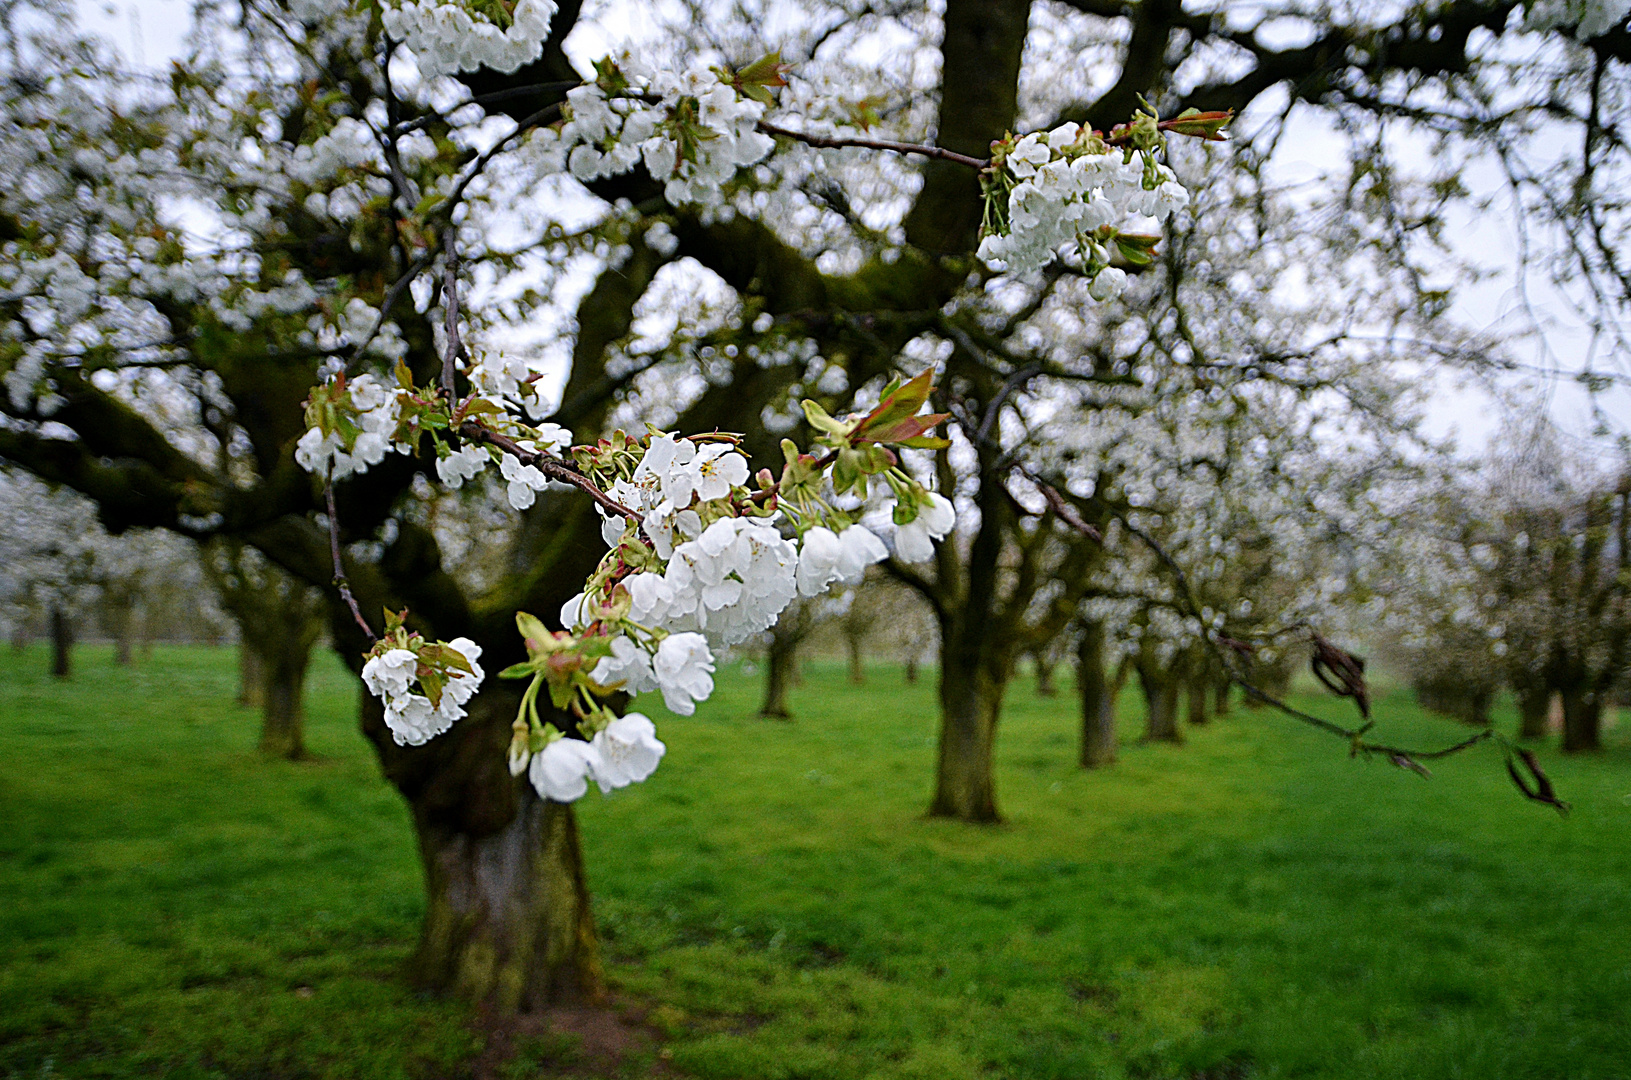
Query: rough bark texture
1534	711
62	642
1582	721
507	917
1098	695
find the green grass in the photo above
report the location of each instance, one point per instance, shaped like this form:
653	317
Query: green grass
1251	905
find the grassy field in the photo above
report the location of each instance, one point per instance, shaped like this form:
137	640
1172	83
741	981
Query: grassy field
1253	904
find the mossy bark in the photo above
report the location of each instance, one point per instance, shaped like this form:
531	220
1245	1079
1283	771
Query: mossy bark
507	918
508	923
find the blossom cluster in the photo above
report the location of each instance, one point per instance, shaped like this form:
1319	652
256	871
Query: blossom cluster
691	129
624	752
1068	186
449	37
356	424
424	686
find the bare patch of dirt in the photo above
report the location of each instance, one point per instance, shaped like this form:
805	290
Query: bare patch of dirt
617	1040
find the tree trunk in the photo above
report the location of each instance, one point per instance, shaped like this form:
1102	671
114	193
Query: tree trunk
1534	709
62	642
283	714
507	917
1222	689
1197	690
508	923
965	787
911	669
1161	699
251	674
19	636
780	659
124	631
857	660
1582	721
1044	675
1098	695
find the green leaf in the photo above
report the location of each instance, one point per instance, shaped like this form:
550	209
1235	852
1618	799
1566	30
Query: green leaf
531	629
517	671
925	442
821	420
1201	125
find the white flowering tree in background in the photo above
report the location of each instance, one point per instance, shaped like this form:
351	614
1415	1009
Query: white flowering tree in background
279	619
59	568
476	263
1517	578
48	549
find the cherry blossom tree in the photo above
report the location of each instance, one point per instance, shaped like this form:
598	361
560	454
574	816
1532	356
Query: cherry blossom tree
340	208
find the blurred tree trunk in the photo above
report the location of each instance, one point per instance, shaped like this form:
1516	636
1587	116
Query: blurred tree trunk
856	644
122	614
1534	710
911	669
781	659
1045	663
1582	720
1198	684
283	685
250	674
279	621
1222	689
62	642
1160	685
19	636
1098	694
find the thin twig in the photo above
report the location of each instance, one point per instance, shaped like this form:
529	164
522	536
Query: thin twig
829	142
450	303
548	464
340	581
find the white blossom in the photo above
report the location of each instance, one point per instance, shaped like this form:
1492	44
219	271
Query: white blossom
525	481
560	771
914	541
684	668
626	752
